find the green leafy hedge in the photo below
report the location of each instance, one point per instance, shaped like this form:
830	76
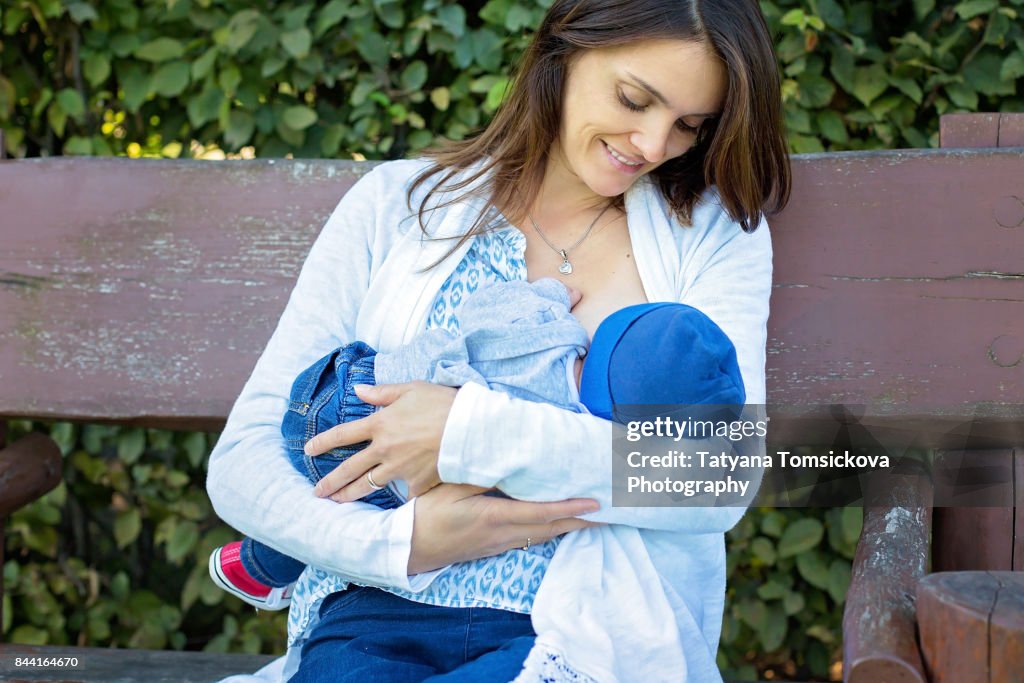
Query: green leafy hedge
380	79
116	555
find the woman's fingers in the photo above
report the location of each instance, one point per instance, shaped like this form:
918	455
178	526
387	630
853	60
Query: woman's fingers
345	434
348	480
523	512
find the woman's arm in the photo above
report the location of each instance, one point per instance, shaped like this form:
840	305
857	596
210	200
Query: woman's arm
251	483
534	451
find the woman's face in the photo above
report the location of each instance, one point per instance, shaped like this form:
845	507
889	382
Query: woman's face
631	108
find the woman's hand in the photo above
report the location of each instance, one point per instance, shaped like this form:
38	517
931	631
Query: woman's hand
456	523
405	438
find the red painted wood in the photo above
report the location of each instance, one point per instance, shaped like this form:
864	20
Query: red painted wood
121	300
1018	511
973	530
1011	129
29	467
969	130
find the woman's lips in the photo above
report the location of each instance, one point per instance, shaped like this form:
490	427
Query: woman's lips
625	168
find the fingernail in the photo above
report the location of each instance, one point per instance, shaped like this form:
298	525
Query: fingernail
362	387
318	490
308	448
592	507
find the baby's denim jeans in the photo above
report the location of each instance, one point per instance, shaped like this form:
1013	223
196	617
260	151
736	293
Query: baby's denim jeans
322	397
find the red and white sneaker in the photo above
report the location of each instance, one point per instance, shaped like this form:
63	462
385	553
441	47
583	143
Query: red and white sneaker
227	571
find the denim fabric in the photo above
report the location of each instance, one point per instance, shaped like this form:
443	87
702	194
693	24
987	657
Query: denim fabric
366	634
322	397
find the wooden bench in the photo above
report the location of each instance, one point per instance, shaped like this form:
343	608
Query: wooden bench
141	292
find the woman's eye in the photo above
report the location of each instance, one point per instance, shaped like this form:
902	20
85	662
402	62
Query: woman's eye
629	104
685	127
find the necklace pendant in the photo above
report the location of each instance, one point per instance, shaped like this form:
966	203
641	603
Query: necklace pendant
566	267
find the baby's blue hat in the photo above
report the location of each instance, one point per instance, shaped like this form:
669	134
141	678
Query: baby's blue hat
659	354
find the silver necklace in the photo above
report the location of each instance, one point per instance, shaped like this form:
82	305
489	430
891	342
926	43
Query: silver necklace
566	267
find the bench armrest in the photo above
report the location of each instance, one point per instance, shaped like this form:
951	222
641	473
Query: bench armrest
29	468
879	639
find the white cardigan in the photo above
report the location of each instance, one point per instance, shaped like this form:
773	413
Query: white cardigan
361	281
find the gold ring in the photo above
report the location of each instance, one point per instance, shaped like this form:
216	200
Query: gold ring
529	542
369	480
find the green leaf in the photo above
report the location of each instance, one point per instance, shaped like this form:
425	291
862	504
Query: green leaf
908	87
869	82
831	125
76	144
374	49
182	541
299	117
793	603
795	17
822	633
773	523
390	13
972	8
838	580
852	520
773	633
832	13
414	76
983	72
194	443
763	549
771	590
204	64
815	91
96	68
331	142
130	445
963	96
127	526
82	12
297	42
800	536
441	98
204	106
519	17
922	8
813	569
29	635
160	50
753	612
241	126
171	79
842	68
1013	67
452	19
331	14
240	30
272	65
228	80
71	102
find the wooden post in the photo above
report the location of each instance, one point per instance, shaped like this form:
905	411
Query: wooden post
979	534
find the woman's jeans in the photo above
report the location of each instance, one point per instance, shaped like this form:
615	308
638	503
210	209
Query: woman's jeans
321	397
366	634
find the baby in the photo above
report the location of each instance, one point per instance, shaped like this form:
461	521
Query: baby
517	337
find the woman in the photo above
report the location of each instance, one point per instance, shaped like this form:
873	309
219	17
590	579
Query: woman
621	109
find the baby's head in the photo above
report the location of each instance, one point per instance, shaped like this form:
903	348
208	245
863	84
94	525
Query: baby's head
659	354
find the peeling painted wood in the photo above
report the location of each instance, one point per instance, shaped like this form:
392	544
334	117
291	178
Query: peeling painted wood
879	642
149	287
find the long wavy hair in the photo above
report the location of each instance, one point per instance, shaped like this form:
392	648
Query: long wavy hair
742	152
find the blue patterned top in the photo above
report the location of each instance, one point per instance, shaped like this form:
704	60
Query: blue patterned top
507	581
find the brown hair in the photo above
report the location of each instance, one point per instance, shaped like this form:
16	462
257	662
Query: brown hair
743	152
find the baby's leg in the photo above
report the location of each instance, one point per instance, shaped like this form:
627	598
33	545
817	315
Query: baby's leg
323	397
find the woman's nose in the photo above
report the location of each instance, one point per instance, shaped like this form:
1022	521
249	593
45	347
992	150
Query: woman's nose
652	141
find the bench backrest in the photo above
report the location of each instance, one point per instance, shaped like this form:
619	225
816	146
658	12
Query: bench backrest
143	291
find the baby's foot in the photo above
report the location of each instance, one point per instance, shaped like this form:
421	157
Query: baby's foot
227	571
